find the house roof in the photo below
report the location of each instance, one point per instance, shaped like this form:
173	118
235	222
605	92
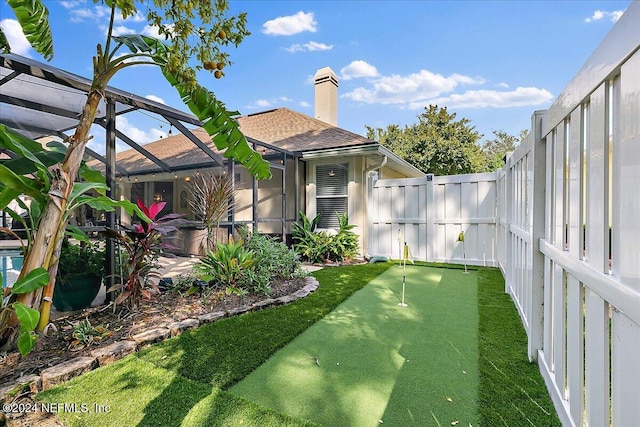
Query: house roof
295	131
282	128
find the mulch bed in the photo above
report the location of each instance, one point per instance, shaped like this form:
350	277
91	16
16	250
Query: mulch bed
166	308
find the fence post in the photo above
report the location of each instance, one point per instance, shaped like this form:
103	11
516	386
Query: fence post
538	148
508	219
431	212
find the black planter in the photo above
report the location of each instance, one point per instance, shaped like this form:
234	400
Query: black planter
76	291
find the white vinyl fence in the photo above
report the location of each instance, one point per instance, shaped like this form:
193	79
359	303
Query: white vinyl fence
429	213
562	221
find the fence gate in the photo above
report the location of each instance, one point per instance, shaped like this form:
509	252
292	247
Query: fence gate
429	213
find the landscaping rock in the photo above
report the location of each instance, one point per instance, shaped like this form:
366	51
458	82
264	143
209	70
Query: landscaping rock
239	310
112	352
265	303
211	317
301	293
32	382
67	370
177	328
151	336
286	299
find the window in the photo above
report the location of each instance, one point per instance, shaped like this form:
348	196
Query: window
332	191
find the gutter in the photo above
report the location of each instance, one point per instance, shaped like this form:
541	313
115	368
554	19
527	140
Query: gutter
377	165
364	150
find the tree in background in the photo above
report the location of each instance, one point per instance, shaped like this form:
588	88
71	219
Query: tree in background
437	144
441	145
495	149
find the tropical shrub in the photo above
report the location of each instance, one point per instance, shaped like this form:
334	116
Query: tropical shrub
321	246
142	244
273	261
211	198
227	266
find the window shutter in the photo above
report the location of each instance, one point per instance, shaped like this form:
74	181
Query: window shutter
332	191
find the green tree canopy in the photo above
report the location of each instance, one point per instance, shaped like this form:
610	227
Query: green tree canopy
437	144
502	143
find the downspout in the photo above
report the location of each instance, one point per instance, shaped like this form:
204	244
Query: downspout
373	167
367	204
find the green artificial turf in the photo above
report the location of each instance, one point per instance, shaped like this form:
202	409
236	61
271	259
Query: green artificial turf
373	362
512	391
185	380
178	382
133	392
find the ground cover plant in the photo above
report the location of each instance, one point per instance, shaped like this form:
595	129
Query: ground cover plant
187	379
318	246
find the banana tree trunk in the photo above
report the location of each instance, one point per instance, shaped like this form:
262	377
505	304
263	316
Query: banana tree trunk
45	249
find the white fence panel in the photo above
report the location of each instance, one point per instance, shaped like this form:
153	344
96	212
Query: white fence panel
399	214
592	255
465	203
561	220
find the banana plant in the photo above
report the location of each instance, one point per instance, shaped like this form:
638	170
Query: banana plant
52	185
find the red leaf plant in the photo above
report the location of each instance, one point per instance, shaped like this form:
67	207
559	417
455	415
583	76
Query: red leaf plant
141	244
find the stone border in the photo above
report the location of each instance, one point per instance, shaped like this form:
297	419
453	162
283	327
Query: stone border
102	356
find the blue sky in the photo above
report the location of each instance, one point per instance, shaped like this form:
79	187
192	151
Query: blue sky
493	62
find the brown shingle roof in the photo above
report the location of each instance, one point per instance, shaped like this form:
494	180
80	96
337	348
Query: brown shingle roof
295	131
281	127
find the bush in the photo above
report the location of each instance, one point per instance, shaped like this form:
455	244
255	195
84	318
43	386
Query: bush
227	266
320	246
249	265
273	260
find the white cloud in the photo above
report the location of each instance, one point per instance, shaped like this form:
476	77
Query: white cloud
289	25
98	14
260	103
417	90
70	4
121	30
268	103
156	99
415	87
520	97
601	14
308	47
138	135
305	104
358	69
80	15
15	37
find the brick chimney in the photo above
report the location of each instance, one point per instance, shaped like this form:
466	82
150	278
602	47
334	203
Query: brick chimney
326	95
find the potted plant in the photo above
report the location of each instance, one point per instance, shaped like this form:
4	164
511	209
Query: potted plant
80	272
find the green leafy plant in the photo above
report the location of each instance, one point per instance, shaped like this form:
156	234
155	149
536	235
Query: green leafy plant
226	266
27	317
141	245
344	244
84	334
309	243
85	258
321	246
273	261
